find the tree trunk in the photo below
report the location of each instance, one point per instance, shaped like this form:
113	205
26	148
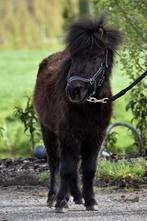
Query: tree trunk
83	7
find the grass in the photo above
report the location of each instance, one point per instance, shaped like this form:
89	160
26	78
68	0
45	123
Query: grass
43	176
18	74
133	169
17	78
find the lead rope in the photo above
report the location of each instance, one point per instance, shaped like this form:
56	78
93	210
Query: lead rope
119	94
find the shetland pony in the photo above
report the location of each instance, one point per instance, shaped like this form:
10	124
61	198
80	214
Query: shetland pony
73	128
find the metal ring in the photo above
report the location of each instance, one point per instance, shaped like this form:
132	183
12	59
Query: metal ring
137	137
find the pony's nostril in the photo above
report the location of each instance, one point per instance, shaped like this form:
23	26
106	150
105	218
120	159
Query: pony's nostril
74	93
77	92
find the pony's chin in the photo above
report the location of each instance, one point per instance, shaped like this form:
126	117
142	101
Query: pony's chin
77	101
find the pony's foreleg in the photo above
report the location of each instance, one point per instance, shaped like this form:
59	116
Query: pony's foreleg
89	159
75	190
68	173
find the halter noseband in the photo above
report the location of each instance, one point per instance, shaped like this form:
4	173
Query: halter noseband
93	80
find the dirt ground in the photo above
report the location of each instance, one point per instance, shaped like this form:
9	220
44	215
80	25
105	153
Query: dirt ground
21	171
18	203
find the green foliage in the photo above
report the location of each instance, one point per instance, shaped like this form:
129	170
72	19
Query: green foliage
17	79
13	142
70	12
43	176
138	106
130	17
29	119
112	139
122	169
133	170
83	7
1	129
118	144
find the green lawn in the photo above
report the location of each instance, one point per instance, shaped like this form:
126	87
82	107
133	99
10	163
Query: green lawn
17	78
18	73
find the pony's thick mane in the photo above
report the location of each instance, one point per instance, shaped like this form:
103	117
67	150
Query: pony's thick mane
91	33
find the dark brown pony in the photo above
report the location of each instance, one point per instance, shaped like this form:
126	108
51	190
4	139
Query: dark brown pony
72	127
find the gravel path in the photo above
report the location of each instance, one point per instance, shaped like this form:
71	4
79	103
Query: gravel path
29	204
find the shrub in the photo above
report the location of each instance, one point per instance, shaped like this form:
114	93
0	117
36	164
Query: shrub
130	17
30	121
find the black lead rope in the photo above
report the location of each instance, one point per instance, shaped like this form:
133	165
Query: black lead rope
124	91
119	94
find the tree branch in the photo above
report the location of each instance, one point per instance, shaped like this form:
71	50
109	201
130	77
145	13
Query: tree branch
130	22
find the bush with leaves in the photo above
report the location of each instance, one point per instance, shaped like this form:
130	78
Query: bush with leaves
1	131
130	17
29	119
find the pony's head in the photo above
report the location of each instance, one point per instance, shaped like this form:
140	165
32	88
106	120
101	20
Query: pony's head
91	46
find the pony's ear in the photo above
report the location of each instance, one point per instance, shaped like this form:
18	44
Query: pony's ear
110	36
101	20
113	38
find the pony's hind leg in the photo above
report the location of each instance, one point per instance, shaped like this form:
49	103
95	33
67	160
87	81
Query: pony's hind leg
51	144
74	184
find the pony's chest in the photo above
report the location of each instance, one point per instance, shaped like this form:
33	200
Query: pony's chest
90	119
85	121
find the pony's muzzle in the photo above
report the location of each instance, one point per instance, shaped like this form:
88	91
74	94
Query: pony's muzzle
76	91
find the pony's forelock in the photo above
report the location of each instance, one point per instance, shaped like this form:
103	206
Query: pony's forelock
89	33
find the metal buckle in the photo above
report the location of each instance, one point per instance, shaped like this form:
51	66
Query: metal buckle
101	80
91	81
94	100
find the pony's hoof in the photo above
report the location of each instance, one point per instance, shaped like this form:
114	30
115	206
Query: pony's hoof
92	208
61	206
66	206
61	210
51	203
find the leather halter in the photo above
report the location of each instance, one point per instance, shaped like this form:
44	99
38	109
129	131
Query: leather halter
101	74
93	80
